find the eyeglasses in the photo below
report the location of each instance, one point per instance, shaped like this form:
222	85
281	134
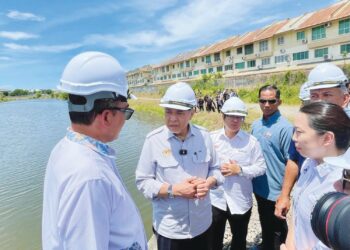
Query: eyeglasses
272	101
346	177
127	112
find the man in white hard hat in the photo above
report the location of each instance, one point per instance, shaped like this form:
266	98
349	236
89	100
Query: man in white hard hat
326	82
241	159
176	169
86	205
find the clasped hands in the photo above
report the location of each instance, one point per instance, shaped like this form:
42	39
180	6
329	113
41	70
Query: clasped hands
192	188
230	168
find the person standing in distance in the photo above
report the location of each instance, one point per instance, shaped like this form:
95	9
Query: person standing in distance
176	169
241	159
274	134
86	204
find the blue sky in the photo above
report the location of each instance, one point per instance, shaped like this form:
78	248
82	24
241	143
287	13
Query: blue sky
38	38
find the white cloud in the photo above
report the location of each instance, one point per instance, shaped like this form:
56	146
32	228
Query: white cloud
199	19
43	48
5	58
24	16
17	35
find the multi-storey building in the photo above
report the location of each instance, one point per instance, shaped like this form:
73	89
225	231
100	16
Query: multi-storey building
140	76
293	43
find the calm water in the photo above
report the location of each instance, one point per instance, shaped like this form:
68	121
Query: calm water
28	132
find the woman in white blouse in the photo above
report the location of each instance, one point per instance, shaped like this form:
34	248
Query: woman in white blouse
321	130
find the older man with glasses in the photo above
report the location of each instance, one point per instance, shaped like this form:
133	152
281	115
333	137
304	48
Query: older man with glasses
274	134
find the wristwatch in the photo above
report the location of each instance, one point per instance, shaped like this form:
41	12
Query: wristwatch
170	192
240	172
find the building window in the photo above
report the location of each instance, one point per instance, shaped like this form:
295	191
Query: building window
195	60
321	52
164	77
249	49
265	61
210	70
203	58
207	59
216	57
187	64
281	59
344	26
203	71
280	40
239	65
173	66
196	72
163	69
181	65
239	50
318	32
251	64
228	53
228	67
190	73
219	69
300	35
263	46
345	48
173	76
178	75
301	56
167	68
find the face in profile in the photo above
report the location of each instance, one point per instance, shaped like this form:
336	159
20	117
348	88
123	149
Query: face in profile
307	141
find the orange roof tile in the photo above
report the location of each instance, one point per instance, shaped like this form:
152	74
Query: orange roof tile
271	30
321	16
249	37
219	46
343	12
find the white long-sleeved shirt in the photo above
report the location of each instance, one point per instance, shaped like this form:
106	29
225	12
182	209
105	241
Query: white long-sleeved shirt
314	181
236	190
160	162
86	205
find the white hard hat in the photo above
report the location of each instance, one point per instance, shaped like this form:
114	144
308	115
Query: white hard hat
326	75
341	161
92	72
304	93
94	75
179	96
234	106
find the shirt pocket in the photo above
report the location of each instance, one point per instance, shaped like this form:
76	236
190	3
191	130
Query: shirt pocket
201	159
168	170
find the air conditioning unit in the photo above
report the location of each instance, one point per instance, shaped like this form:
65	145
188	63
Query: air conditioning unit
304	41
244	57
257	55
260	67
329	24
327	58
282	51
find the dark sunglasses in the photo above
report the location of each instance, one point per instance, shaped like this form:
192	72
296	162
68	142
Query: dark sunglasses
272	101
127	112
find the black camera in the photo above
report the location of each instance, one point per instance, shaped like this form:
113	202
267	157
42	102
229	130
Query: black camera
330	220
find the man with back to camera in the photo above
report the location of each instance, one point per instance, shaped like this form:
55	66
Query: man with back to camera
176	169
326	82
274	134
86	204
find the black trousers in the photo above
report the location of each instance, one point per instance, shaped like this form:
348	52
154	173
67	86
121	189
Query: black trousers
274	230
239	228
200	242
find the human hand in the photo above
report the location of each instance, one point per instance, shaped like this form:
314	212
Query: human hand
282	206
202	187
186	189
231	168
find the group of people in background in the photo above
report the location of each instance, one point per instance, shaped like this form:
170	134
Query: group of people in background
196	180
213	104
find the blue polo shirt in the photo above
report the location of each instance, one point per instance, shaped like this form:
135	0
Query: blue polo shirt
274	135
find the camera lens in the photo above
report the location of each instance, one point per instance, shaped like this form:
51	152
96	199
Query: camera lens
330	220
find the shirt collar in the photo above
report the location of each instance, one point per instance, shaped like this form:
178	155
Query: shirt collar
190	132
91	143
273	118
238	135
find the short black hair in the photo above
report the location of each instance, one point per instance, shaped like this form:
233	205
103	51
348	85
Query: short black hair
324	116
86	118
270	87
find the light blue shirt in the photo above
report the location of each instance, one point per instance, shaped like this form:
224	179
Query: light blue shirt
274	135
160	162
347	111
314	181
236	190
86	205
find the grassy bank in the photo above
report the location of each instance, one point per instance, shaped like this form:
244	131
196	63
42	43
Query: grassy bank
209	120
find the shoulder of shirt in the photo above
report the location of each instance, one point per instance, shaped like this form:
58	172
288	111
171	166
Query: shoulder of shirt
200	127
155	132
215	132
